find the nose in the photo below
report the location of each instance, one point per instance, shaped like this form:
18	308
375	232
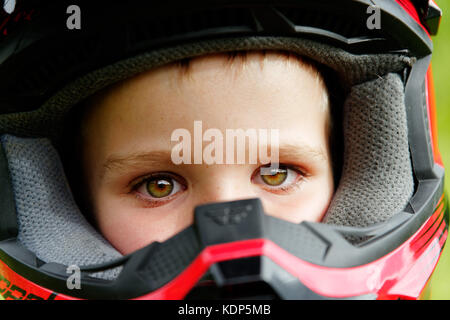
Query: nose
226	184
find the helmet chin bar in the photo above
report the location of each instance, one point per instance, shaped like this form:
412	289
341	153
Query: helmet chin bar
234	250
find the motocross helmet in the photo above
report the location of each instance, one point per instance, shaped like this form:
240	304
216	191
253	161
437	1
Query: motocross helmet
386	226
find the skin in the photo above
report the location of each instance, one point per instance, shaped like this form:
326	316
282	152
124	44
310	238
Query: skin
126	139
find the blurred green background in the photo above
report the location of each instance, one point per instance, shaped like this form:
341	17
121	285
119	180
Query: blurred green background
440	285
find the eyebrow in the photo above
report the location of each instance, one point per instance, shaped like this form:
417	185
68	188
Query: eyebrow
117	162
302	151
156	158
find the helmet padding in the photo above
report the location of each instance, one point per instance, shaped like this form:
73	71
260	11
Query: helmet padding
376	182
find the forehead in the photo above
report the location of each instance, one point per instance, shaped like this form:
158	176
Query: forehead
259	90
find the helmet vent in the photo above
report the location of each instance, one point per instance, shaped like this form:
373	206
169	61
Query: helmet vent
192	22
338	22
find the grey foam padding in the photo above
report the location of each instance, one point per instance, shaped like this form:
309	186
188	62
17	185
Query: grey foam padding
47	120
376	182
377	178
50	224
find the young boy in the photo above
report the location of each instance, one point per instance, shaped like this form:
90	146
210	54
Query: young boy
135	191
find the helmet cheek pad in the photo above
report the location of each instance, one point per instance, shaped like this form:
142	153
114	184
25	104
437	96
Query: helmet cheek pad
388	208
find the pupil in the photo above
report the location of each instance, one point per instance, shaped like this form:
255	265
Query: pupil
161	184
159	188
277	178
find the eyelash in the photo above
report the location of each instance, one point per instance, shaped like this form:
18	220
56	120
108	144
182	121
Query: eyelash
152	202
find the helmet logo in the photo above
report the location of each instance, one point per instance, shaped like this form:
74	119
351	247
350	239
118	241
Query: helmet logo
9	6
229	216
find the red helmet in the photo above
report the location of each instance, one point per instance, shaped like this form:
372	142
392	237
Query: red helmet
386	226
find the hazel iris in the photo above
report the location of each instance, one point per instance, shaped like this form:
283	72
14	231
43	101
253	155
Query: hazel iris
276	178
159	188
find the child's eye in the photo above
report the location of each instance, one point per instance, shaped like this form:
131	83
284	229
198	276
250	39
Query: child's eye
277	178
282	180
158	187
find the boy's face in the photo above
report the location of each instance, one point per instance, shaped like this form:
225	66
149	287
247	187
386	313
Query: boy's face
139	195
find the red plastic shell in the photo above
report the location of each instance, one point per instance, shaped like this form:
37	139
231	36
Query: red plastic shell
432	116
411	9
